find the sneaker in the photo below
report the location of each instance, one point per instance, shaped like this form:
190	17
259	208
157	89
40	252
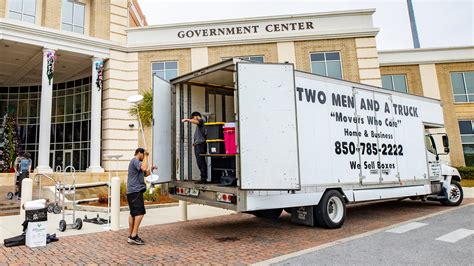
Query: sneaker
135	240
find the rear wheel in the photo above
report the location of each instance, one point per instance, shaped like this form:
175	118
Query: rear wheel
455	195
268	214
331	210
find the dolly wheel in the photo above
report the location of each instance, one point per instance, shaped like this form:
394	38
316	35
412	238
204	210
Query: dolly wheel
10	195
56	209
50	208
62	225
78	224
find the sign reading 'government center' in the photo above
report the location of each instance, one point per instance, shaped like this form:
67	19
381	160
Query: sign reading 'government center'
239	30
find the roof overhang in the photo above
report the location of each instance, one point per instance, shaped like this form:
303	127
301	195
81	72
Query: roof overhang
426	56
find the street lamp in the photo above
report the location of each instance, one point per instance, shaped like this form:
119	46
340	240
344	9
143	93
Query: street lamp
135	100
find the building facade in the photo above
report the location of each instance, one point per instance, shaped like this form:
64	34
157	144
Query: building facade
78	118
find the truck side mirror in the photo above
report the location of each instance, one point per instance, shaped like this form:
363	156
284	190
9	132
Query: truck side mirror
445	143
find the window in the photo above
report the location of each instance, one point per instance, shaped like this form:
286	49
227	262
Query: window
70	120
254	58
326	64
463	86
395	82
165	70
467	139
73	16
24	10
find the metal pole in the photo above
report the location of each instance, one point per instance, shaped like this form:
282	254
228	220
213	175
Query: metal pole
141	128
414	31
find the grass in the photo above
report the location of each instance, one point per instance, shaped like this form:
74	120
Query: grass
467	182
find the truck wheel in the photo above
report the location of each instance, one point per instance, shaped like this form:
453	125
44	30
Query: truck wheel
272	214
331	210
455	195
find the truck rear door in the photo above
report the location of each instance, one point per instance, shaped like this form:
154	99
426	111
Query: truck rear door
161	152
377	141
267	127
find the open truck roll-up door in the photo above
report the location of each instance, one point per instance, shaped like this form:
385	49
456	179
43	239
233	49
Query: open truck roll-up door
268	137
162	128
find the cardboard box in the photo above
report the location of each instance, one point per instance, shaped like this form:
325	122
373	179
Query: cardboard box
36	234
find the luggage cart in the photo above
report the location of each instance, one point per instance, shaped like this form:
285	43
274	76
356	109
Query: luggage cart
52	207
16	184
69	189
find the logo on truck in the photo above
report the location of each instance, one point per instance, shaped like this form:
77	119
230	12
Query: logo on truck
363	126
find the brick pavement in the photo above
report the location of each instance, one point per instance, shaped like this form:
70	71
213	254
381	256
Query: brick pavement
231	239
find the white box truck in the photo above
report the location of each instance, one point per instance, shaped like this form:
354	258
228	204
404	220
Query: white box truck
307	144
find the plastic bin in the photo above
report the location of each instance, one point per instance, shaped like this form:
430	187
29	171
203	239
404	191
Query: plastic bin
215	146
229	140
214	130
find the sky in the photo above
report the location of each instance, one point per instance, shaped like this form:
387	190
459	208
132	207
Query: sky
440	23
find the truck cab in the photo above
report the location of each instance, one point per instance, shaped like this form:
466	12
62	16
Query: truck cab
445	179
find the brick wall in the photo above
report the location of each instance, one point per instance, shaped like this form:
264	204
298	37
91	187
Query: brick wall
454	111
3	4
51	17
268	50
347	48
412	73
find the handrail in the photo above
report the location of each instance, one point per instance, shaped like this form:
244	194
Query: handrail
38	180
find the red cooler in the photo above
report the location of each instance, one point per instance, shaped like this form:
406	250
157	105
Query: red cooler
229	139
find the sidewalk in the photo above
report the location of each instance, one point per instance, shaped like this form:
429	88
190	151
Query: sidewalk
11	225
239	239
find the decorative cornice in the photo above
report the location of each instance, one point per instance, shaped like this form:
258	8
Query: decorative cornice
426	56
30	33
327	35
356	12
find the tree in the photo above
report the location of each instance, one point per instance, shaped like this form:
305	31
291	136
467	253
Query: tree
144	110
10	144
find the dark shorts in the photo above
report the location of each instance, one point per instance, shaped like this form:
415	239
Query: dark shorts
136	204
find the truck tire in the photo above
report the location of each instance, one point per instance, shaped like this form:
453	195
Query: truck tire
331	210
455	195
272	214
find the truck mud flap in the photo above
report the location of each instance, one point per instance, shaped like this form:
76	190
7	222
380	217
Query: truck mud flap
303	215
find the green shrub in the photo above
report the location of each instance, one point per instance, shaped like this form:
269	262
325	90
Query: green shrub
123	191
148	196
467	172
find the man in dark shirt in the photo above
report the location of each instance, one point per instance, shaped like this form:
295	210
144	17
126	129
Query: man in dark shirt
137	169
200	146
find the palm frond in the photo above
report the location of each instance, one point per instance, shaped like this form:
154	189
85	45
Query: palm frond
145	109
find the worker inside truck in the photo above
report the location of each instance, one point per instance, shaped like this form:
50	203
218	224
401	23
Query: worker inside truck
199	143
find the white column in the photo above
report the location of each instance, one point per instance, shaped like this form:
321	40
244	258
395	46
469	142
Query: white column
45	116
96	120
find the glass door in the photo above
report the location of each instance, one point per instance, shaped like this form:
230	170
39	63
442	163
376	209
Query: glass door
67	158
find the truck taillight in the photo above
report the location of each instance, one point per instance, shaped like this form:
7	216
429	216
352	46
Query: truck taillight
227	198
181	191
